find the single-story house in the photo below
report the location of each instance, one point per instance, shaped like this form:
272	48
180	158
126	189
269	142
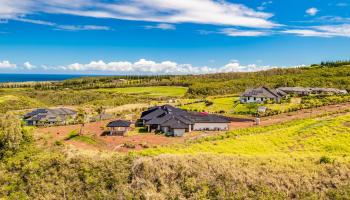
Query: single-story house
177	122
261	94
118	127
304	91
44	117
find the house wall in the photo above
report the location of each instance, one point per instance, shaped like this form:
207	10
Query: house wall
178	132
255	99
210	126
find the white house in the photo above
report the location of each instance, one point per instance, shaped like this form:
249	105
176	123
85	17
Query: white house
177	122
261	94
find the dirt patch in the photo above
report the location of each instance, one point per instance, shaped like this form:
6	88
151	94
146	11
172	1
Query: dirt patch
114	143
347	124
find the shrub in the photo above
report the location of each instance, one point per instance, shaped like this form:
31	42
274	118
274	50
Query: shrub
325	160
129	145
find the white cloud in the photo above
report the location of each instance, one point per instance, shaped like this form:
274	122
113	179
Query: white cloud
312	11
243	33
60	27
164	11
322	31
264	4
33	21
5	64
162	26
83	28
29	66
144	66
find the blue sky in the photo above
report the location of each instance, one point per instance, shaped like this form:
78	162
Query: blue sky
169	36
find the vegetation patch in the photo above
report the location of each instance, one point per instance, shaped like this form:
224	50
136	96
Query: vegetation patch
82	138
159	91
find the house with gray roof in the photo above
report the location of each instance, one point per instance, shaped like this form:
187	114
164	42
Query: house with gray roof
118	127
177	122
47	117
262	94
304	91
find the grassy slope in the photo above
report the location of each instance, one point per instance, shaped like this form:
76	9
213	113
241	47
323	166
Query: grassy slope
219	104
158	91
304	138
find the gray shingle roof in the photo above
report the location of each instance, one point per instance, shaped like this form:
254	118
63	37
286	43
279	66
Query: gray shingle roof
119	123
175	117
175	123
262	92
156	113
51	115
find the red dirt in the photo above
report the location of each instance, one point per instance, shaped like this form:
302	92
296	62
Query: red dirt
115	143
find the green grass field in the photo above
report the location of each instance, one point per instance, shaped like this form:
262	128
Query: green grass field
304	138
158	91
220	104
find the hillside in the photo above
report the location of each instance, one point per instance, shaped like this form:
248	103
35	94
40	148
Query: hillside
330	74
303	159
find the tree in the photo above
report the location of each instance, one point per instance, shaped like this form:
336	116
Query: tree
100	110
12	135
81	119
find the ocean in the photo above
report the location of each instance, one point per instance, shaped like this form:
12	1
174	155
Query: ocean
4	78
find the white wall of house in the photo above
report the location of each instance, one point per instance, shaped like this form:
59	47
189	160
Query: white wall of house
179	132
210	126
253	99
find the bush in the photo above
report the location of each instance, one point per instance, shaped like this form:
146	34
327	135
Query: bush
129	145
12	134
325	160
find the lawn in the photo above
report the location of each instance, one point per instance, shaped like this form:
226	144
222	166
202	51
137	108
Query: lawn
158	91
316	138
219	105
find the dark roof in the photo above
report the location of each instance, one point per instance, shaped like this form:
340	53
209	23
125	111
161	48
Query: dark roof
175	123
155	113
149	110
177	118
158	120
119	123
262	92
309	90
44	114
209	118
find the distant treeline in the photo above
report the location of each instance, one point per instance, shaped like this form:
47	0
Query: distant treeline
326	74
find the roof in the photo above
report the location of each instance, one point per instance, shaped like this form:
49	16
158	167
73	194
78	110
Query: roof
209	118
177	118
155	113
51	115
308	89
175	123
262	92
158	120
119	123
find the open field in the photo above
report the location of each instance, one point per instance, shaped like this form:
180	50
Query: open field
219	104
158	91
